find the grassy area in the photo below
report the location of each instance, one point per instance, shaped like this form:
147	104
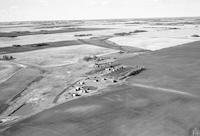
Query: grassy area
104	42
62	64
133	111
7	70
39	46
175	67
67	30
59	56
17	84
141	93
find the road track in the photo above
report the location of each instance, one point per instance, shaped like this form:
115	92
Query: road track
163	89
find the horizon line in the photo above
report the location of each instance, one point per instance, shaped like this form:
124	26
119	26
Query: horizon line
99	19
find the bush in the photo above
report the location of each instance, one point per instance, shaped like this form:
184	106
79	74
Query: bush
16	45
89	58
39	44
139	31
82	35
173	28
5	57
122	34
195	35
129	33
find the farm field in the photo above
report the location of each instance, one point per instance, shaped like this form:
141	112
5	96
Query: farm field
100	77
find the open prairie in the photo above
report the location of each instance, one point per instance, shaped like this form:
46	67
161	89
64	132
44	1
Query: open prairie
7	70
124	110
126	77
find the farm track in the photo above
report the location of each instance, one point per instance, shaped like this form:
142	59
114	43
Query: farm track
163	89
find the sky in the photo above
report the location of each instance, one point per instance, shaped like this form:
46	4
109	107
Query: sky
28	10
